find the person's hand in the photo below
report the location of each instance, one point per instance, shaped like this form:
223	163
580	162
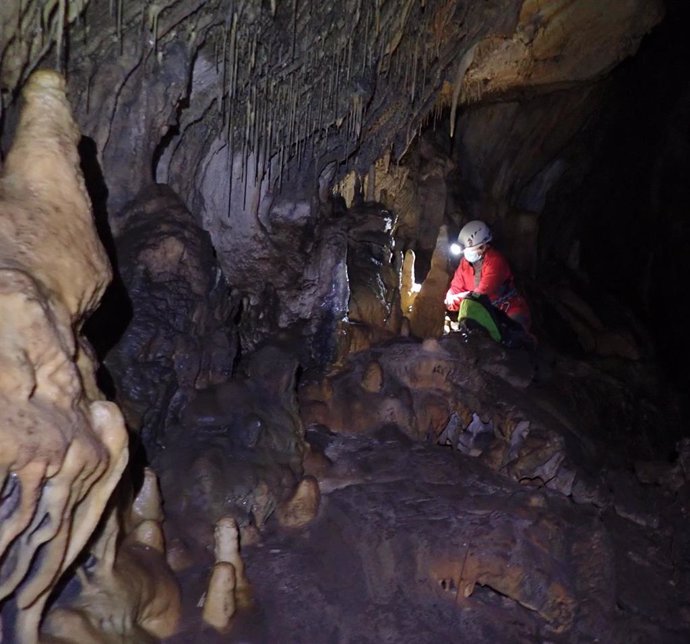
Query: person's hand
453	299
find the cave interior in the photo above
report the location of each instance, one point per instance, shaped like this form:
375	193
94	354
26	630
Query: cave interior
234	407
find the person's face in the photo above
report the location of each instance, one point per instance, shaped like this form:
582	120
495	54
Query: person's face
474	254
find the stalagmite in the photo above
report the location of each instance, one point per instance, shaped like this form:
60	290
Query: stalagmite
407	292
302	507
428	310
219	604
227	549
148	533
371	183
147	504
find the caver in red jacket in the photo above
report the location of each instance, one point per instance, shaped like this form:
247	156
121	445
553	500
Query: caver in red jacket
491	276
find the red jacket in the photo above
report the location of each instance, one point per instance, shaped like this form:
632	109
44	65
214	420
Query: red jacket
495	280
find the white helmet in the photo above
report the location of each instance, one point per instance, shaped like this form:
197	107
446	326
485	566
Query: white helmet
474	233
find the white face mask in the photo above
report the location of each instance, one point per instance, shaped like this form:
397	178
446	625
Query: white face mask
472	255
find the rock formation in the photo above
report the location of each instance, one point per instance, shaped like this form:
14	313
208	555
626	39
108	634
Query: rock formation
63	446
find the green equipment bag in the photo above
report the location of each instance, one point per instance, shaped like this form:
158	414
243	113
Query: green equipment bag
473	311
476	311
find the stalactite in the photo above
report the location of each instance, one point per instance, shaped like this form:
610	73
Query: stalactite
223	78
349	59
280	167
381	57
320	116
153	12
88	93
245	138
349	120
230	182
268	155
365	49
358	117
252	53
263	130
354	116
357	16
337	86
42	27
271	120
414	72
313	132
397	68
216	55
303	138
298	145
294	28
329	96
463	66
60	32
255	144
291	107
84	28
118	22
233	54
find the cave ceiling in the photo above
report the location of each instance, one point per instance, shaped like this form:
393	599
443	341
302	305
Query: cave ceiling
281	89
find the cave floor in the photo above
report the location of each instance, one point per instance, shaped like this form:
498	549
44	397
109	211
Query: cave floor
418	543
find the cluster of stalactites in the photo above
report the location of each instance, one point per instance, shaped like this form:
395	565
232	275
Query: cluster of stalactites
285	103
